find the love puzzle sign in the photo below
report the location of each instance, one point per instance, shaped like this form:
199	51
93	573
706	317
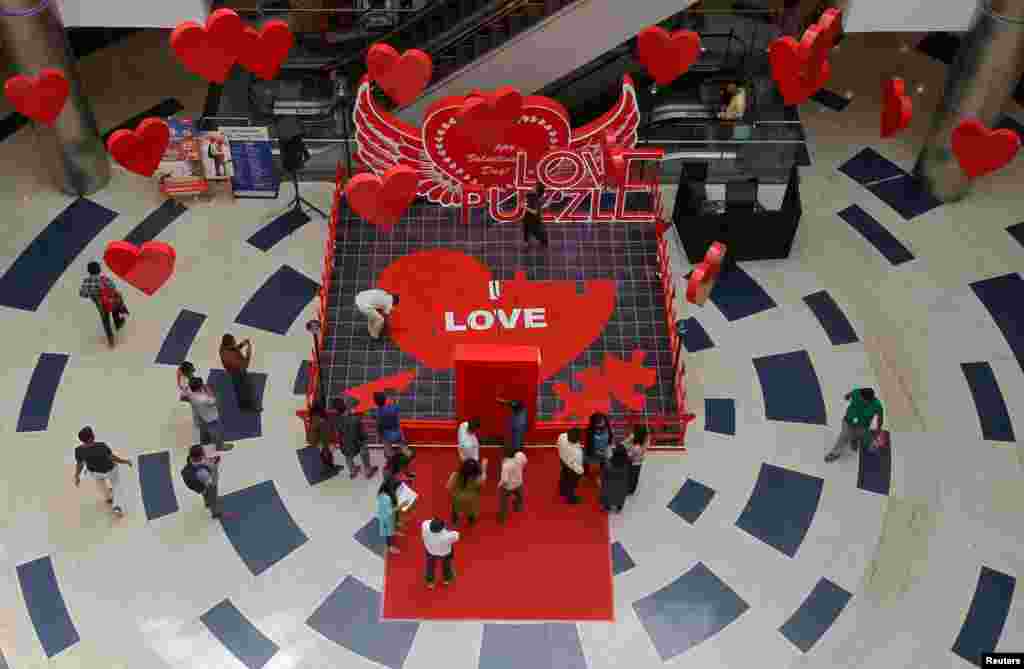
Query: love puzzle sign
490	149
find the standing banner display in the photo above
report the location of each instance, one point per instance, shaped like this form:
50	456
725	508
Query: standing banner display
252	162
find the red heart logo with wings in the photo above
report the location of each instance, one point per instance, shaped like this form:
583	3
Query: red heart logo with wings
667	56
140	150
980	150
39	98
265	50
147	267
897	107
210	51
402	77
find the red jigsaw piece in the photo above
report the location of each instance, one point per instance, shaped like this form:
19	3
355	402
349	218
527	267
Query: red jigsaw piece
623	377
364	393
580	404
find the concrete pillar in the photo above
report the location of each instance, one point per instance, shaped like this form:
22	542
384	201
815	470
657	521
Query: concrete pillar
978	83
32	35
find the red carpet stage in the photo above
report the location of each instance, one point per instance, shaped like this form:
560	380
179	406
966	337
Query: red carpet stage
551	561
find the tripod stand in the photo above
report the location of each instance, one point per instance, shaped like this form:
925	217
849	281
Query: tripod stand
298	200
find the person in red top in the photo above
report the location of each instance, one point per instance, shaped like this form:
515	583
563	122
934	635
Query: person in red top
236	358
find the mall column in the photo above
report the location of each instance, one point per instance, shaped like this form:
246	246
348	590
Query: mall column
978	83
33	37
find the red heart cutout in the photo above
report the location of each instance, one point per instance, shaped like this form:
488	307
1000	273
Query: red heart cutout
813	49
140	150
437	281
381	201
542	126
210	51
147	267
897	107
401	77
980	150
667	55
484	120
830	24
790	71
39	98
264	50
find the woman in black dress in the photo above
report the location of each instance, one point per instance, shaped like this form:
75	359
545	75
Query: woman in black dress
615	480
533	219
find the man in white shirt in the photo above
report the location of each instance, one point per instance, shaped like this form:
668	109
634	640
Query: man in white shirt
204	404
438	540
570	454
469	443
375	304
511	483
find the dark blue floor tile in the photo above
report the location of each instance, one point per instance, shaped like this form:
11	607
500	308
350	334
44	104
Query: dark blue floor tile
169	107
1017	230
259	527
178	341
906	196
42	390
350	617
369	537
1001	296
46	606
691	500
831	99
868	166
282	226
781	508
156	222
313	467
790	388
238	424
302	379
621	562
30	277
988	401
693	608
720	416
695	338
737	295
835	323
279	301
238	635
536	645
817	613
986	617
158	497
874	470
876	234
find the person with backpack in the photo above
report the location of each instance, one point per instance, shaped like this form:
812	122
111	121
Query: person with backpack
438	541
856	429
464	486
354	441
202	475
101	463
108	300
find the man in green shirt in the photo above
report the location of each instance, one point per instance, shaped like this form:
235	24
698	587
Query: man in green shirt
856	430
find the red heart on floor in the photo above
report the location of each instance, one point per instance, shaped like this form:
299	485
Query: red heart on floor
980	150
265	50
140	150
667	55
448	299
382	200
485	119
147	267
39	98
796	82
402	77
897	107
210	51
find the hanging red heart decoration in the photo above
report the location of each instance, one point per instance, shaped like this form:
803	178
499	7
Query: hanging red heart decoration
704	276
484	119
796	82
830	24
147	267
980	150
140	150
210	51
402	77
265	50
382	200
667	55
897	107
40	98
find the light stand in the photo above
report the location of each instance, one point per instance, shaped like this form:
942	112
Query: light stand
313	328
298	200
294	155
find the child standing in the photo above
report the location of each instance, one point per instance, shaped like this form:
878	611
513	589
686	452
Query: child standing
511	483
438	541
464	486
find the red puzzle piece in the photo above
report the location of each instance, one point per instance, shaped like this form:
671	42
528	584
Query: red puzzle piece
623	377
364	394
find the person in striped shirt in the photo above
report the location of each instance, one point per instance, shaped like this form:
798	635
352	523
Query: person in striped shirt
92	289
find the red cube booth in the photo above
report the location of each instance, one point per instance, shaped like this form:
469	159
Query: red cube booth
485	372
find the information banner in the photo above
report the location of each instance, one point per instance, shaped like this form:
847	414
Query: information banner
252	162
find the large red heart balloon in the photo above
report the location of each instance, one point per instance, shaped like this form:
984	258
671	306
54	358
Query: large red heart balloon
980	150
542	126
39	98
485	119
402	77
147	267
382	200
140	150
667	55
435	282
210	51
796	82
264	50
897	107
704	276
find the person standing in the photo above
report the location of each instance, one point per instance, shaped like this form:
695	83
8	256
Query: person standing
320	435
101	463
389	426
636	445
202	475
469	442
376	304
387	508
518	423
204	403
186	371
533	219
597	447
511	482
438	542
108	300
236	358
615	480
570	455
354	440
464	486
856	429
